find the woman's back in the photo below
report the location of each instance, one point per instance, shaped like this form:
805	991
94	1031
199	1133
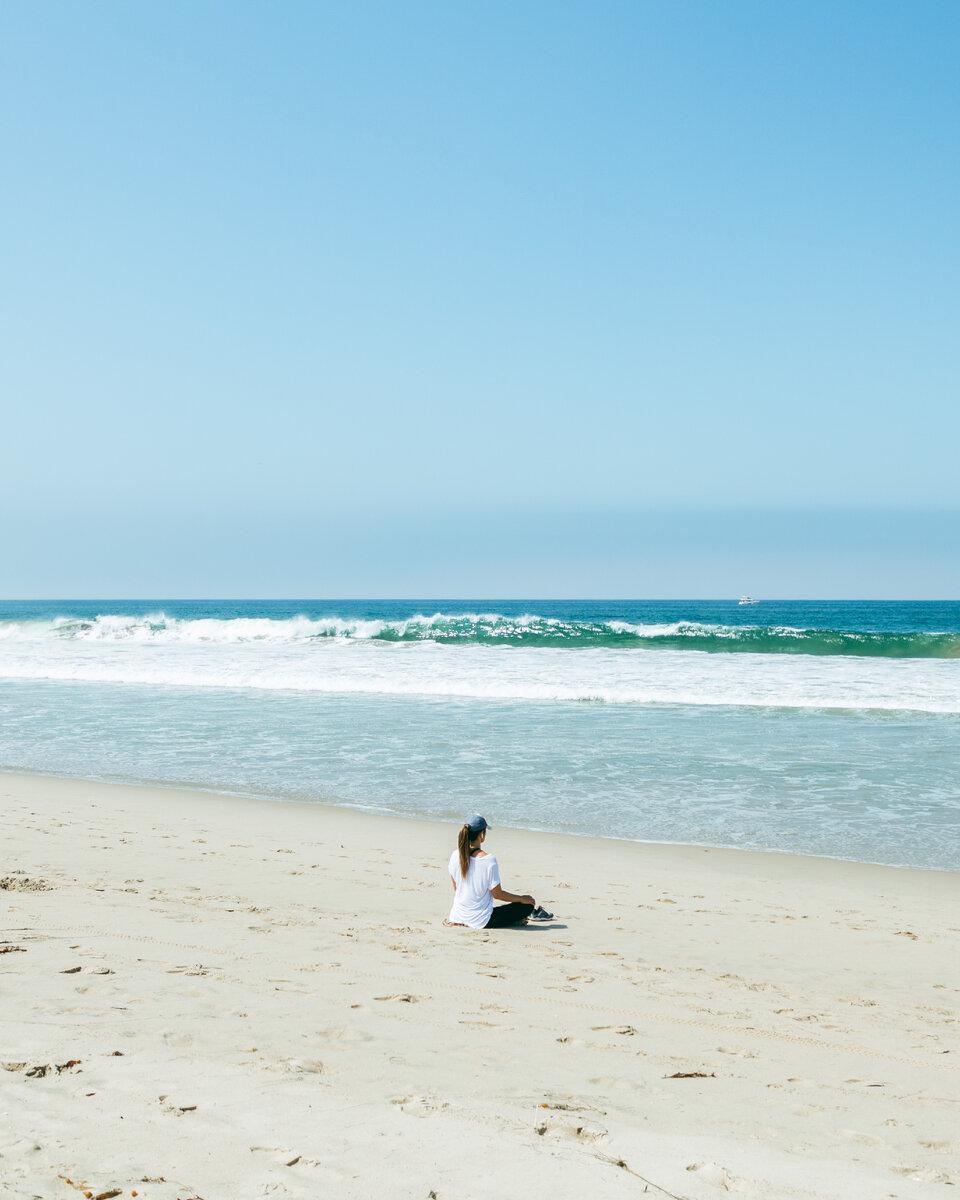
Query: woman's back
473	901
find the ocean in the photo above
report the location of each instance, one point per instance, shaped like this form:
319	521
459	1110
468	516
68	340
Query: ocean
827	728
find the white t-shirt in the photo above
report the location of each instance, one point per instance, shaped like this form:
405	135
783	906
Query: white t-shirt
473	902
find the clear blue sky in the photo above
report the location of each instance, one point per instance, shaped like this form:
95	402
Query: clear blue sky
544	298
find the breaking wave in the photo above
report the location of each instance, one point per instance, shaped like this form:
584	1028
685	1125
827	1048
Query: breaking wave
488	629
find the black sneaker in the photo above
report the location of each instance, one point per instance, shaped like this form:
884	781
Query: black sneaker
540	914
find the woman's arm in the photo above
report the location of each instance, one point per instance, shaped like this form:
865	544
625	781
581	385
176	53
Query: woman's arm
499	894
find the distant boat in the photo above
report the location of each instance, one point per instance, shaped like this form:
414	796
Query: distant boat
747	600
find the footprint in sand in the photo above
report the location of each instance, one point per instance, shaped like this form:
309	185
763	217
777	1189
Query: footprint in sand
118	994
420	1106
302	1066
285	1157
616	1083
923	1174
344	1035
579	1131
865	1139
738	1051
713	1173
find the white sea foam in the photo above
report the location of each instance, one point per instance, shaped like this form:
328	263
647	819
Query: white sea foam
255	653
158	627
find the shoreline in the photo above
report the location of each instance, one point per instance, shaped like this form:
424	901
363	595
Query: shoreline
390	815
209	995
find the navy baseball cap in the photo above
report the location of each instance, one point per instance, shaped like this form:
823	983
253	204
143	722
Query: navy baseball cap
475	823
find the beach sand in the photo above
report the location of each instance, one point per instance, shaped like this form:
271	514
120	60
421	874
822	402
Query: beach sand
209	996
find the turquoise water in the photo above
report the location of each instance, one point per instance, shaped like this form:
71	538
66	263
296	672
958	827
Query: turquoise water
819	728
886	628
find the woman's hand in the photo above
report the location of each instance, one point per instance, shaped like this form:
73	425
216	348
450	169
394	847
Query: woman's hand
499	893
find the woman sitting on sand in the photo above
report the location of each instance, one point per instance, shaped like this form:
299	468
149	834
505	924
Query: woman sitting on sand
476	883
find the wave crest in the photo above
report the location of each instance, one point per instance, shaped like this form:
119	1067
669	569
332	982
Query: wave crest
492	629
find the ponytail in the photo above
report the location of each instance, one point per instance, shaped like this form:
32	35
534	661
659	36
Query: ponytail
463	848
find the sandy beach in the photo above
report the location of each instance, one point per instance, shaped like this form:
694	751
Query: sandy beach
208	996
